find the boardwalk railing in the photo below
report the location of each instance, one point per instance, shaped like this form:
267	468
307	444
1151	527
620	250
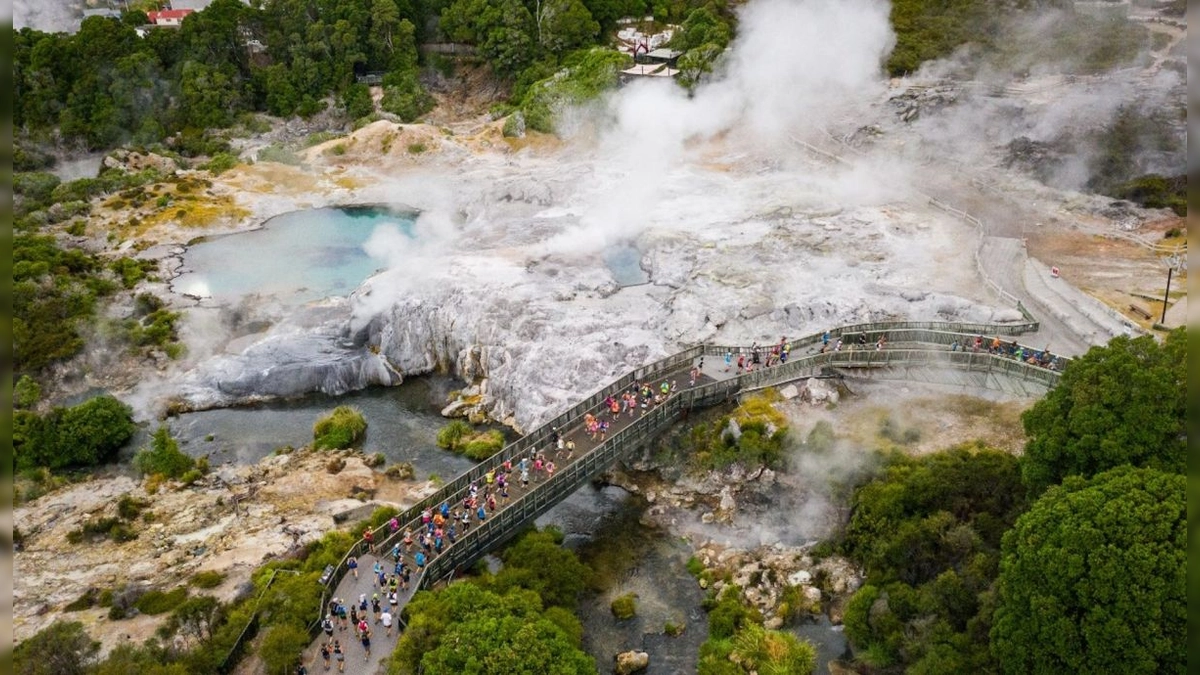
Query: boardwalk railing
527	507
544	496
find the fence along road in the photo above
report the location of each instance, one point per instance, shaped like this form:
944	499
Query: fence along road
913	345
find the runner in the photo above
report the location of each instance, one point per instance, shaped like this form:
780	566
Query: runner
339	656
386	619
325	655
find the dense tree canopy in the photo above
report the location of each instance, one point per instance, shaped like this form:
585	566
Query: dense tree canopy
500	624
105	85
1093	578
1124	403
928	531
82	435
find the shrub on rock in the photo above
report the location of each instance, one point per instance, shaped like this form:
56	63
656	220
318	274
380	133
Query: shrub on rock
340	429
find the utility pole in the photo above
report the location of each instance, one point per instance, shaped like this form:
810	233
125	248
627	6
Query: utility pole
1173	263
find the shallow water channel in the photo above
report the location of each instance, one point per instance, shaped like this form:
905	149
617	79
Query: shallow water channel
402	423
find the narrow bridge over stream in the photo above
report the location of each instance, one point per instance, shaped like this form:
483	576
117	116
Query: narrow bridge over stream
916	351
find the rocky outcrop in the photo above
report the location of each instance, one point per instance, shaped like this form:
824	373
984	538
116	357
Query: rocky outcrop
516	290
631	662
312	352
764	574
230	521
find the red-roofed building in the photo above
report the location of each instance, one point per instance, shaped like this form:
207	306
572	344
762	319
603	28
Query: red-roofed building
168	17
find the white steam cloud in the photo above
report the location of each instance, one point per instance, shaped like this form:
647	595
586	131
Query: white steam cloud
794	65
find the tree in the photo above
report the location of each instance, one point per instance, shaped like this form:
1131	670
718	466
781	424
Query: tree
210	94
563	25
83	435
465	629
503	30
702	27
64	648
196	619
1093	578
282	646
93	431
694	64
404	96
27	392
539	563
1124	403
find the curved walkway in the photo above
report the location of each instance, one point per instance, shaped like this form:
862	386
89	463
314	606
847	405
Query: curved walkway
924	343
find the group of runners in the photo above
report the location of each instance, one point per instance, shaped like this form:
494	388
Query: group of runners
998	347
343	617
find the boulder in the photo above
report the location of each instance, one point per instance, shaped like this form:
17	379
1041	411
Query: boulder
631	662
789	392
727	502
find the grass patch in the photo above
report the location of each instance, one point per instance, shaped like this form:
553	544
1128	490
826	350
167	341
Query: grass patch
161	602
624	607
207	579
341	428
459	437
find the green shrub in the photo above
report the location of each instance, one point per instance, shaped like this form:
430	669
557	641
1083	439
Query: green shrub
341	428
1156	192
481	446
160	602
416	148
220	163
449	436
156	329
282	646
280	154
207	579
357	101
86	600
130	507
319	137
624	606
163	457
132	271
404	96
584	75
101	528
821	439
27	392
83	435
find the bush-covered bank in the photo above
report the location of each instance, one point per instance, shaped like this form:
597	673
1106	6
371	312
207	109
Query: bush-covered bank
460	437
518	620
200	633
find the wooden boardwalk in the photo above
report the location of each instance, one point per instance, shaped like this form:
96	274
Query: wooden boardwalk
925	348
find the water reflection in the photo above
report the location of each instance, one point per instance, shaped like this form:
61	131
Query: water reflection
402	423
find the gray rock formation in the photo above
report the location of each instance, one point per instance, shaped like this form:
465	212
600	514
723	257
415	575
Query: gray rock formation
531	306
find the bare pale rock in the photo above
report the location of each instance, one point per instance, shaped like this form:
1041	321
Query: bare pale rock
631	662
